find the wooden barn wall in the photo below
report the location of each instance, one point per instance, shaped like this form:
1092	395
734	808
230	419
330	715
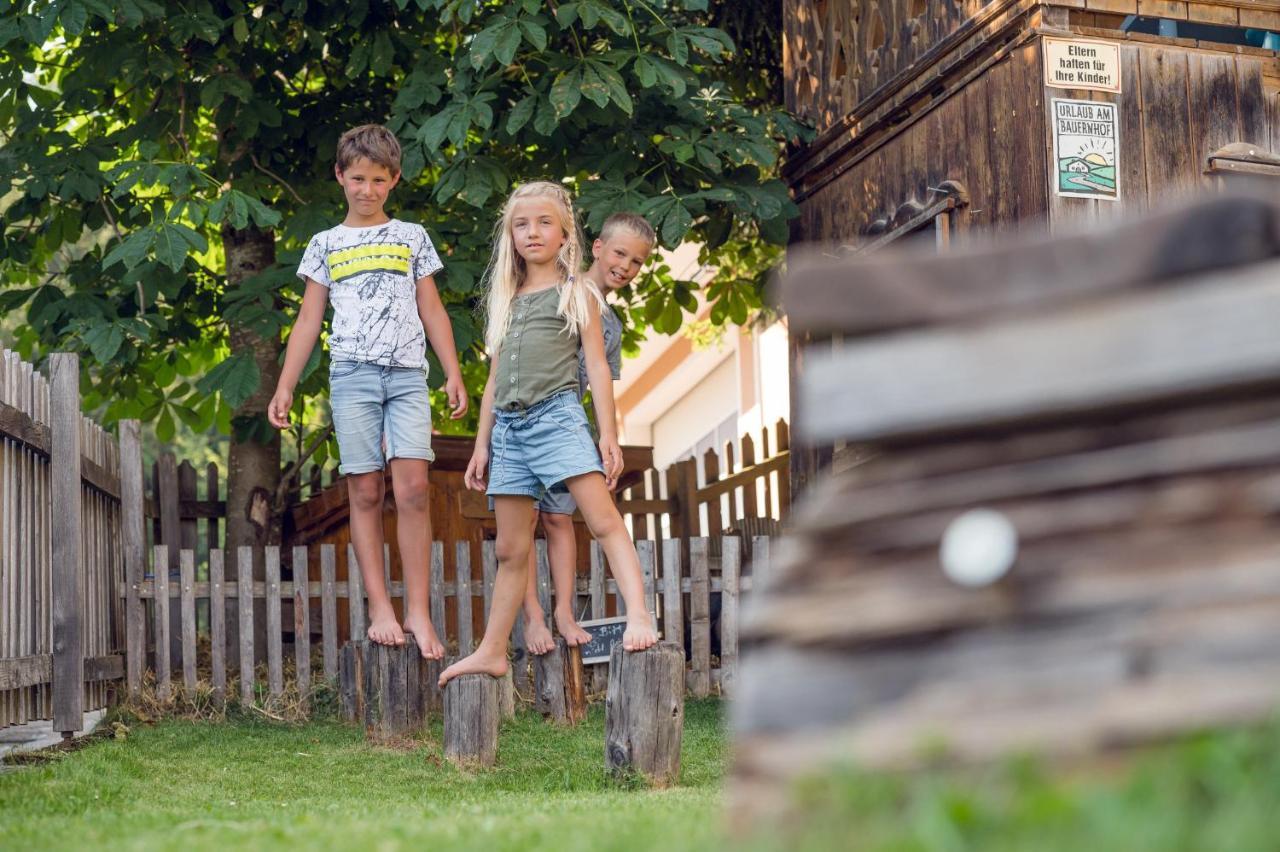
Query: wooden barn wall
1176	107
987	136
838	52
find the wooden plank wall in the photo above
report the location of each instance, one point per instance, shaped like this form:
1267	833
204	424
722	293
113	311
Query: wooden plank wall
1176	107
985	136
838	52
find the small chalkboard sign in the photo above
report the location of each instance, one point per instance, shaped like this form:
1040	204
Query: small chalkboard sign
605	633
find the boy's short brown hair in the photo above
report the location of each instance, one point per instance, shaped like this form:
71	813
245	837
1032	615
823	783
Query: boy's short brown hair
374	143
633	222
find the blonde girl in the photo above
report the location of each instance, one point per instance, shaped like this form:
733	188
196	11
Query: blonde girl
533	432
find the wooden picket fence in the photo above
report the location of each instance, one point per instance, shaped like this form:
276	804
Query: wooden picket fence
290	607
61	548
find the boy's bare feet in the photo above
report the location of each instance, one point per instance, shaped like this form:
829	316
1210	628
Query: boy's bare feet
640	633
480	662
424	633
537	636
569	629
383	627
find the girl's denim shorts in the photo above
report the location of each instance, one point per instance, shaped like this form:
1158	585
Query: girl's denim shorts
534	448
379	413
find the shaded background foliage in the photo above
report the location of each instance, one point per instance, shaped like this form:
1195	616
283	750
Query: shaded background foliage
163	164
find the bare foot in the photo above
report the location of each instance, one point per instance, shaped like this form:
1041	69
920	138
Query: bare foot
639	634
477	663
384	629
537	638
569	629
424	633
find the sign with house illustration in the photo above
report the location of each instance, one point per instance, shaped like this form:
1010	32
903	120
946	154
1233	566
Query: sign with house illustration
1086	145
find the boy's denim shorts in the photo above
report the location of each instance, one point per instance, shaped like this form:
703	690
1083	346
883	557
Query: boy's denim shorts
379	413
558	501
537	447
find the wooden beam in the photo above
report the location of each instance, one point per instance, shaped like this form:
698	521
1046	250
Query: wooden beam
68	550
1130	350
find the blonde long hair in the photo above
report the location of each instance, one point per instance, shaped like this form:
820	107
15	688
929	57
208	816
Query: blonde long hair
507	269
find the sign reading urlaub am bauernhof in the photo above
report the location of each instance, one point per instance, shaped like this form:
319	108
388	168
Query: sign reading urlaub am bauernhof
1075	63
1086	149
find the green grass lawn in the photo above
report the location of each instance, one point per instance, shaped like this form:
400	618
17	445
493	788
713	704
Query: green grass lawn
261	785
255	784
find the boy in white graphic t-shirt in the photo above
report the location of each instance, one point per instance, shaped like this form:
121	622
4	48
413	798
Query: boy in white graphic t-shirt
377	272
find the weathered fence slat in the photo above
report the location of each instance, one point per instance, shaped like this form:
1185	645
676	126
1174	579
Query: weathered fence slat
329	609
160	563
730	564
599	675
68	549
275	653
463	585
301	621
672	597
699	618
355	595
187	581
244	582
489	559
645	550
218	626
135	555
437	591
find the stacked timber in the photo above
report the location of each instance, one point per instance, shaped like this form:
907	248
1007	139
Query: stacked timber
1050	519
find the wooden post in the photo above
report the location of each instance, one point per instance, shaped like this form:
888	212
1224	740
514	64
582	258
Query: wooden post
562	694
351	681
507	695
395	702
471	720
647	554
68	550
644	713
436	580
135	553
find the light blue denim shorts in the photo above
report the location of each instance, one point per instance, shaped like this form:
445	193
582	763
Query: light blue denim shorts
379	413
534	448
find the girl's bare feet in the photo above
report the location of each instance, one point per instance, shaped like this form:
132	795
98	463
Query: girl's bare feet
640	633
569	629
383	627
481	662
424	633
537	637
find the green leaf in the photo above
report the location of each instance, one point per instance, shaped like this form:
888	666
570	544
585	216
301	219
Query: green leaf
520	114
132	251
74	16
240	31
566	92
236	379
678	48
508	43
646	72
545	120
534	33
593	87
104	341
382	54
676	224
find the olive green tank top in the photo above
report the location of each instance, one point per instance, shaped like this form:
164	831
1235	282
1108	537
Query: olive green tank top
538	357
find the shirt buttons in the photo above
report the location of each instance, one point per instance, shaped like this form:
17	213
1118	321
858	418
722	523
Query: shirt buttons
515	334
513	380
513	357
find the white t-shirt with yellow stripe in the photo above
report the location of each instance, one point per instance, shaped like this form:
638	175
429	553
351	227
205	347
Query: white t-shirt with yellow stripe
372	276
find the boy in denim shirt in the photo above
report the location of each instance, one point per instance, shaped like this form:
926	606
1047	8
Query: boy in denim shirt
378	272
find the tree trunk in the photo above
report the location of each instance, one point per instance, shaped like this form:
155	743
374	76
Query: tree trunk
253	466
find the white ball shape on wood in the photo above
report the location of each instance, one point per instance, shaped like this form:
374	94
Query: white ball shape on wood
978	548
